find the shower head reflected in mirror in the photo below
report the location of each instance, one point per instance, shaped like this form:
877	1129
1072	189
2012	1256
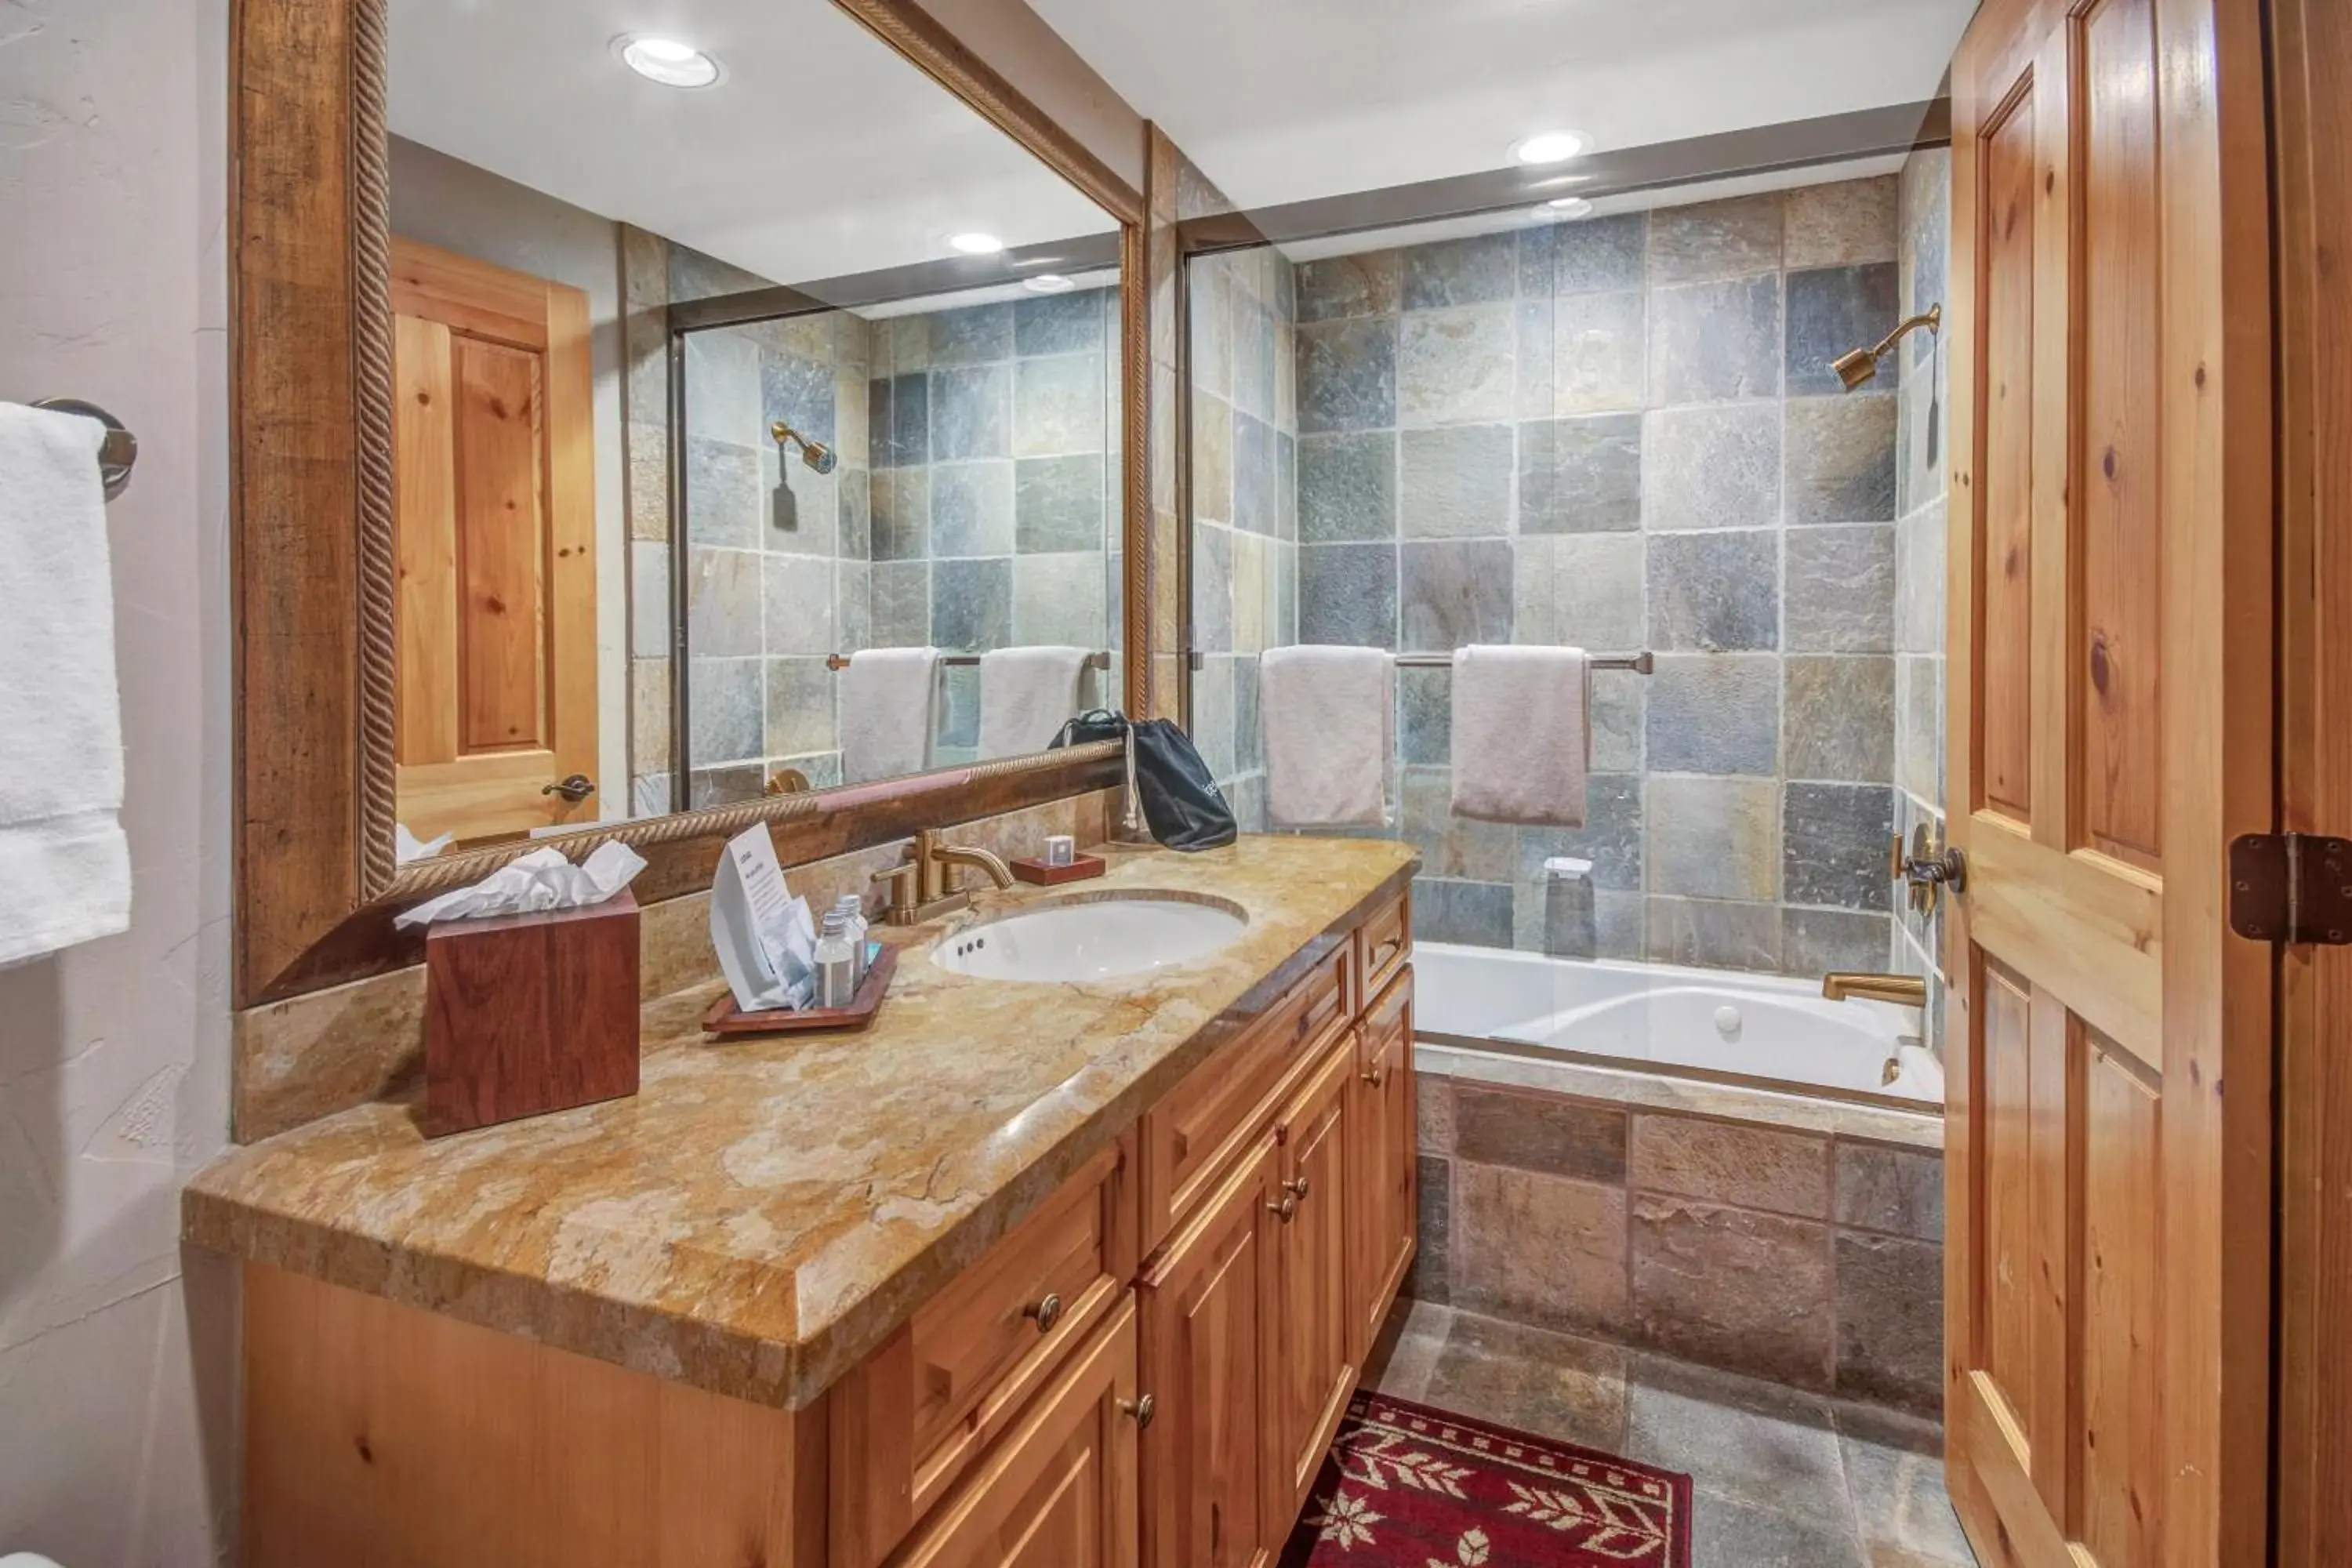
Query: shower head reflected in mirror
1858	368
815	454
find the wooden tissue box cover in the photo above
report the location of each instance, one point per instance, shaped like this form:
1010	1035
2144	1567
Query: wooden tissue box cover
529	1014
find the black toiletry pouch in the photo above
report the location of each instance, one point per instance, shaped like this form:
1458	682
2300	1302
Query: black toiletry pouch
1181	801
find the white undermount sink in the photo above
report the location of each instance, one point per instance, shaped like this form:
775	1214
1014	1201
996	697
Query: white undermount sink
1091	938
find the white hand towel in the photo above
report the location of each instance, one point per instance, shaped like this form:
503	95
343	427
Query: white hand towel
1522	734
889	696
63	863
1026	694
1328	716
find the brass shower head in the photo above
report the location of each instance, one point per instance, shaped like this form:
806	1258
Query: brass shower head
815	454
1855	368
1859	367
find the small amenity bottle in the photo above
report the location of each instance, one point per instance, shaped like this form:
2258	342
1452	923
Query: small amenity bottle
853	911
836	968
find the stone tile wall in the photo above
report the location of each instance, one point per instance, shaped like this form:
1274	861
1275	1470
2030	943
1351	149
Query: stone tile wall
1245	488
1812	1259
1624	433
1919	561
995	486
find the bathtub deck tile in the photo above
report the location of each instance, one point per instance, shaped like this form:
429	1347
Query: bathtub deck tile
1890	1320
1897	1190
1434	1101
1733	1288
1537	1249
1753	1167
1545	1133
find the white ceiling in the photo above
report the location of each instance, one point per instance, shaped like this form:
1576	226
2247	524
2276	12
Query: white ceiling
1301	98
821	152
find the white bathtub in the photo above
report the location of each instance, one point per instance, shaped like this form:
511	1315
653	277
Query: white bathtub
1701	1023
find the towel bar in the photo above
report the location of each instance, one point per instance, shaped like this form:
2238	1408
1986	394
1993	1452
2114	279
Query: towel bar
841	661
1639	663
116	454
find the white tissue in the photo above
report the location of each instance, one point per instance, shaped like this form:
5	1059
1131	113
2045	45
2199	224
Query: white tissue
543	879
407	846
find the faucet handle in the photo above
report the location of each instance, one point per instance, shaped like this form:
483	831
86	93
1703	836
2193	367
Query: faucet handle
899	897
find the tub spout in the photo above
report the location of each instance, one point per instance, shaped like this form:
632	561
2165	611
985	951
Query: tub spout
1910	990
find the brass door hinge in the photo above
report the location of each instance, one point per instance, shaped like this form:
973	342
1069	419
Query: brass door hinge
2291	888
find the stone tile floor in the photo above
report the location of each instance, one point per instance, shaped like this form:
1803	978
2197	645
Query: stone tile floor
1781	1478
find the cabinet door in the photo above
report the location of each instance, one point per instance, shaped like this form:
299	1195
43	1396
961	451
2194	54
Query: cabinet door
1206	1308
1060	1490
1383	1176
1315	1370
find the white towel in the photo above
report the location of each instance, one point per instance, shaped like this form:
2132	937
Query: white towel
1328	716
1522	734
1026	695
64	869
888	699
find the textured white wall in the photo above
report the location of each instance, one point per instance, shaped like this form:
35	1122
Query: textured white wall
117	1354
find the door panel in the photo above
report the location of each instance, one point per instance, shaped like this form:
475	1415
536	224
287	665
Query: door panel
1316	1368
1207	1311
2108	703
1384	1178
494	524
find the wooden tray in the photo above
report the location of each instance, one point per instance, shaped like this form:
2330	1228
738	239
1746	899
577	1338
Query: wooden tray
1034	869
723	1018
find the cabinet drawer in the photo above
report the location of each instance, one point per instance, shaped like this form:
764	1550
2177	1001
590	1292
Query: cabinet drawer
1060	1490
1386	940
912	1418
1188	1135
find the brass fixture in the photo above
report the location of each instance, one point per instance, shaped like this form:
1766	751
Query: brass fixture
918	885
787	780
1842	985
1045	1313
575	789
1862	364
815	454
1142	1409
1929	866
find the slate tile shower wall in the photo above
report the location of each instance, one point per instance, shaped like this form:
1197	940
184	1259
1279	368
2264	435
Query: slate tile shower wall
995	488
1923	379
1623	433
1242	310
775	553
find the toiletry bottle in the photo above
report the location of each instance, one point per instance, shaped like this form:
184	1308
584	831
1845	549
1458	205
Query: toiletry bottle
852	911
836	971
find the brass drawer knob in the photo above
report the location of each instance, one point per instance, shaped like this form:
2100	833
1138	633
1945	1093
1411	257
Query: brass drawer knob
1047	1312
1377	1077
1141	1409
1284	1211
1296	1184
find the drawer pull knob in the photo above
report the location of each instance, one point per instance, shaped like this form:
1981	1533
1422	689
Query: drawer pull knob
1377	1077
1142	1409
1047	1312
1296	1184
1284	1211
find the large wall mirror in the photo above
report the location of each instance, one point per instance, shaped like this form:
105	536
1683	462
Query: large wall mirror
746	389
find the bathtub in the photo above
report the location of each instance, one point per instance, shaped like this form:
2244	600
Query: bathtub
1761	1031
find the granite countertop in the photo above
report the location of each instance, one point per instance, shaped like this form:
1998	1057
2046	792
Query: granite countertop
765	1212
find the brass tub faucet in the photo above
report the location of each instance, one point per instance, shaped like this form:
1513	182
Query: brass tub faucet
1845	986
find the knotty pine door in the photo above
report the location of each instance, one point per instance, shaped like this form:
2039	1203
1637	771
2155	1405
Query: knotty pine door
2110	677
494	523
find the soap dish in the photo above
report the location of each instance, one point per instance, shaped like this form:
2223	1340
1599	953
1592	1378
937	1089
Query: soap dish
725	1018
1048	876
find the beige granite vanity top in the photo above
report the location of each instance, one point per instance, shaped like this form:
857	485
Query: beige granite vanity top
765	1212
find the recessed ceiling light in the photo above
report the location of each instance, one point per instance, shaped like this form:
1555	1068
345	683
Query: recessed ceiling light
1047	283
1565	208
1548	147
975	243
668	62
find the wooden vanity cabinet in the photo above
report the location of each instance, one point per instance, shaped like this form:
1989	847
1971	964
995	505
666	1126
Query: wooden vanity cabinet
1060	1490
1314	1325
1383	1147
1207	1307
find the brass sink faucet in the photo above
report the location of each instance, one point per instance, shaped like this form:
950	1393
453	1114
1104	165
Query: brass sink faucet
918	887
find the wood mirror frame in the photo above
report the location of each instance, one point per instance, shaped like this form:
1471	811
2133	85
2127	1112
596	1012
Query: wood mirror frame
311	548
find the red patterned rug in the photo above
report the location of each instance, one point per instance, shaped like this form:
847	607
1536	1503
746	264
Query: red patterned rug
1409	1487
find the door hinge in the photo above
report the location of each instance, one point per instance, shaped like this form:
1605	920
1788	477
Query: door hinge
2291	888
